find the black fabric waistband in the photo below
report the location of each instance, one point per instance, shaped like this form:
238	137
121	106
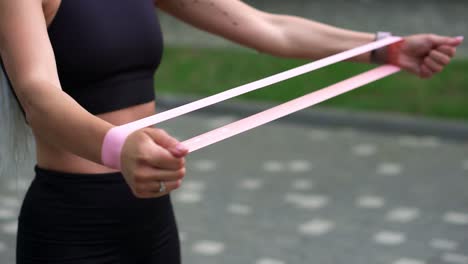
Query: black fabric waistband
67	177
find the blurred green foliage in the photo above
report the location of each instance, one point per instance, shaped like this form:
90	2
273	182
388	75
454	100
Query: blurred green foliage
201	72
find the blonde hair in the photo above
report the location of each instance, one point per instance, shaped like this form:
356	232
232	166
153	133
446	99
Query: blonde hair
16	140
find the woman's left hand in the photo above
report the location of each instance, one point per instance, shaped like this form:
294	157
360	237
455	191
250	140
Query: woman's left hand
424	54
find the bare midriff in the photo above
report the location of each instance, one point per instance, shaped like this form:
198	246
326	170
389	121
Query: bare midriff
54	158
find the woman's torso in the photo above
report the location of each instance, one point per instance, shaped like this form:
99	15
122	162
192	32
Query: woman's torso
118	61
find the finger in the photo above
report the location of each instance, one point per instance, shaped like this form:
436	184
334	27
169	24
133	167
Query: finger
157	157
442	40
447	50
439	57
433	65
458	40
162	159
152	190
161	137
179	150
168	142
148	174
155	186
425	72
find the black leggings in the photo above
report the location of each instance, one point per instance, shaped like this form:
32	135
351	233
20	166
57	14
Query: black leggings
93	218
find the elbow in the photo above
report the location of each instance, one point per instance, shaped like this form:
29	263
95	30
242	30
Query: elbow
278	49
33	95
279	43
25	93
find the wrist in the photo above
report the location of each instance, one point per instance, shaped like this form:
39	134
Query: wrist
381	55
112	146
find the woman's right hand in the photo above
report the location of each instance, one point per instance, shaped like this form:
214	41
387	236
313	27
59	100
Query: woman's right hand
151	156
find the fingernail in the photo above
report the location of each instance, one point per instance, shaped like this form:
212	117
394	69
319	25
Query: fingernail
459	38
181	148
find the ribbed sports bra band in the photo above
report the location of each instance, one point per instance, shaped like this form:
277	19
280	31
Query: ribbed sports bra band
116	136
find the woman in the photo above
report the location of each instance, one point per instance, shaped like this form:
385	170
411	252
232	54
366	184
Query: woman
79	68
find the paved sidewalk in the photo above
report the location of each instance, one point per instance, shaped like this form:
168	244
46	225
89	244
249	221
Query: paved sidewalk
290	193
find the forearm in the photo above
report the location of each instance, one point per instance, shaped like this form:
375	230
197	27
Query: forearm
59	120
302	38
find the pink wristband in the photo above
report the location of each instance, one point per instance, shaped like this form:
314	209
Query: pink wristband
112	146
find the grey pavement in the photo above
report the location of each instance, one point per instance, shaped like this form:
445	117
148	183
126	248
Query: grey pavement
293	193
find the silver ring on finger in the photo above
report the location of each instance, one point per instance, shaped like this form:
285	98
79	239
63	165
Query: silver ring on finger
162	186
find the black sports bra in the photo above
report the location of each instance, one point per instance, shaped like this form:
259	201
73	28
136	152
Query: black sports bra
107	51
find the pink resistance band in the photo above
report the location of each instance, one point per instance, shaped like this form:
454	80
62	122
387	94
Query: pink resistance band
115	138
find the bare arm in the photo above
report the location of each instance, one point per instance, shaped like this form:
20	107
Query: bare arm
295	37
148	157
29	60
279	35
